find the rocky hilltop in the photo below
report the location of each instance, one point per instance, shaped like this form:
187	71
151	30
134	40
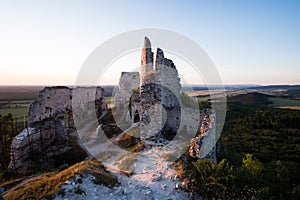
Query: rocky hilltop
150	100
137	140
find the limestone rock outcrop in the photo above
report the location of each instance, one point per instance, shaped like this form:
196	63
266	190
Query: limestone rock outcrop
51	123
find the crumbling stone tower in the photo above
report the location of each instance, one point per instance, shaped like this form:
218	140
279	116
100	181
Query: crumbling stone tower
146	60
154	103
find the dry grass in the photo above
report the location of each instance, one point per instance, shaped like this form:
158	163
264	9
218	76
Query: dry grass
290	107
130	141
127	165
48	184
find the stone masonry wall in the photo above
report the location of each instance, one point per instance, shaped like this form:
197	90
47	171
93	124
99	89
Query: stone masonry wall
128	83
155	104
146	59
50	122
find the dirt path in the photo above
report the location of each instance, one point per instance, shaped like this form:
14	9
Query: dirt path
153	177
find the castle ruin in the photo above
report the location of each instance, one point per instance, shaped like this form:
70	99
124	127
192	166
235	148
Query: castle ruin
51	123
152	100
152	97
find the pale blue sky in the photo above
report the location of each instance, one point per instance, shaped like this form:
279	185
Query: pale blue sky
46	42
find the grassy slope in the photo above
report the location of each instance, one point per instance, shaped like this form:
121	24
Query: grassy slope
48	184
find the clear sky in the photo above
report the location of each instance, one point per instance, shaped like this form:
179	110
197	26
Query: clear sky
250	42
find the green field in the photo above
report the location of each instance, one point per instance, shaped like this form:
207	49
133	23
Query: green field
17	112
280	102
16	105
18	108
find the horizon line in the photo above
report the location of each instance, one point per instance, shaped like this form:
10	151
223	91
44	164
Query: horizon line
229	84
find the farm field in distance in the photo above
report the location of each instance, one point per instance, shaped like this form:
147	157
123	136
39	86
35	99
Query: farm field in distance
285	97
285	103
16	100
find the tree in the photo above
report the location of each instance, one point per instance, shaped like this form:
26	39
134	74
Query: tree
6	136
215	179
253	165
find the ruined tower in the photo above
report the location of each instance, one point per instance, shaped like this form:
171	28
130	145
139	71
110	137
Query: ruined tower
146	59
129	81
167	76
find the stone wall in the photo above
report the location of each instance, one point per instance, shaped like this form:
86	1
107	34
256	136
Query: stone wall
204	144
155	103
51	100
128	83
159	87
146	59
51	121
167	73
87	104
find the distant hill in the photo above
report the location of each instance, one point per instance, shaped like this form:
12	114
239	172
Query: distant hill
243	86
15	93
253	98
109	89
291	91
8	93
277	87
217	87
